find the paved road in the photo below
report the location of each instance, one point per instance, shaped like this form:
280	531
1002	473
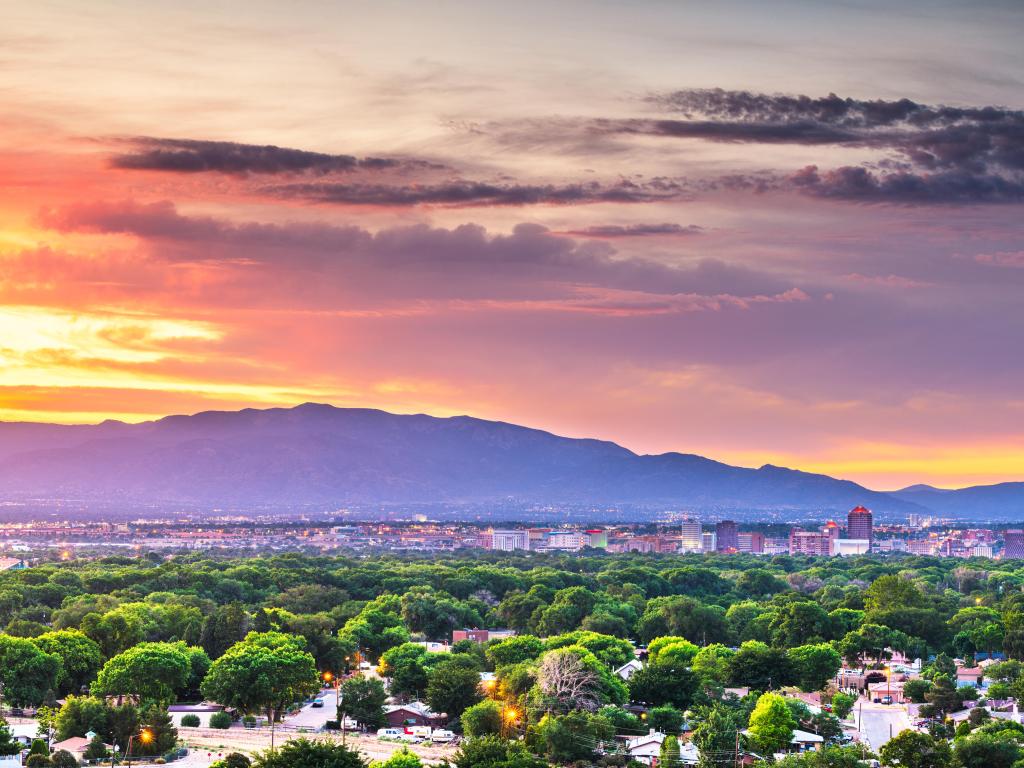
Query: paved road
879	723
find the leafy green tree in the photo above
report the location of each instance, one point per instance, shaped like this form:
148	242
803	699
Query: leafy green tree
666	719
482	719
623	721
663	683
96	750
63	759
362	699
669	754
916	689
223	627
943	696
771	724
828	757
79	715
711	664
154	672
610	651
715	736
375	630
163	735
406	667
800	623
842	704
452	687
760	667
8	746
403	758
233	760
814	665
892	591
26	672
304	753
570	737
265	672
114	631
495	752
985	750
80	657
515	650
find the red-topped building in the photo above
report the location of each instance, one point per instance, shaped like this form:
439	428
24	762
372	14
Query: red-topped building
858	524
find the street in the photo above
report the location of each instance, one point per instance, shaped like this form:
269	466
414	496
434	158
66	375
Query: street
880	722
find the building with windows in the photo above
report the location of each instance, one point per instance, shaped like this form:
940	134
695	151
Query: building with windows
814	543
708	543
692	535
859	524
727	537
508	540
752	542
1013	543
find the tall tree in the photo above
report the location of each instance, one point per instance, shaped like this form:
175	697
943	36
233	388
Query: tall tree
265	672
771	724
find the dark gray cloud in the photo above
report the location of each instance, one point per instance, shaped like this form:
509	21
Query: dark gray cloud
611	231
198	156
411	261
858	183
464	193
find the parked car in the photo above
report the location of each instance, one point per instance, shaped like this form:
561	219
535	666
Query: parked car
887	699
390	733
317	704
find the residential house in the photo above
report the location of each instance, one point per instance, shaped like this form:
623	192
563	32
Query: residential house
646	749
413	713
628	669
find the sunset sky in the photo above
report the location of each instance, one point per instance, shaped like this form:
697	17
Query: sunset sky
765	232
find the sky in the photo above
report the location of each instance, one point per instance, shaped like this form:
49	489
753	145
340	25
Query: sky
785	233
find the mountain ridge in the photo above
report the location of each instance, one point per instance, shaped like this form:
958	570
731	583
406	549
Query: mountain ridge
316	453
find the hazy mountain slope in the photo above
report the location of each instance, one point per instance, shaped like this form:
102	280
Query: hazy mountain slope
984	502
320	454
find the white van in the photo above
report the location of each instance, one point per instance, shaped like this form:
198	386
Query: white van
441	736
390	733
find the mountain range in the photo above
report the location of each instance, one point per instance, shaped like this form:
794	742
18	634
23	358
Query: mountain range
319	455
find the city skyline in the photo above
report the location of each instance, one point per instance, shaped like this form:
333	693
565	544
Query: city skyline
791	239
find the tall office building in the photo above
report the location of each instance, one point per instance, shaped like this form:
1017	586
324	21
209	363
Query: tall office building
1013	543
708	541
858	524
691	540
509	540
752	542
727	537
817	543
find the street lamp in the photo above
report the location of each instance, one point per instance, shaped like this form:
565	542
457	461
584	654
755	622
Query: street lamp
145	736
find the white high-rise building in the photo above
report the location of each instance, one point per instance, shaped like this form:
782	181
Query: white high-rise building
710	541
691	531
506	541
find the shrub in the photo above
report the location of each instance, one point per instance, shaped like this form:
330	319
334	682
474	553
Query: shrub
63	759
220	720
38	761
190	721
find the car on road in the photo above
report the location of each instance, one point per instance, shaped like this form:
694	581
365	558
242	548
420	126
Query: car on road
887	699
317	704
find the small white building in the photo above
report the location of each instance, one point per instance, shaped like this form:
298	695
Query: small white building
203	711
629	669
647	749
